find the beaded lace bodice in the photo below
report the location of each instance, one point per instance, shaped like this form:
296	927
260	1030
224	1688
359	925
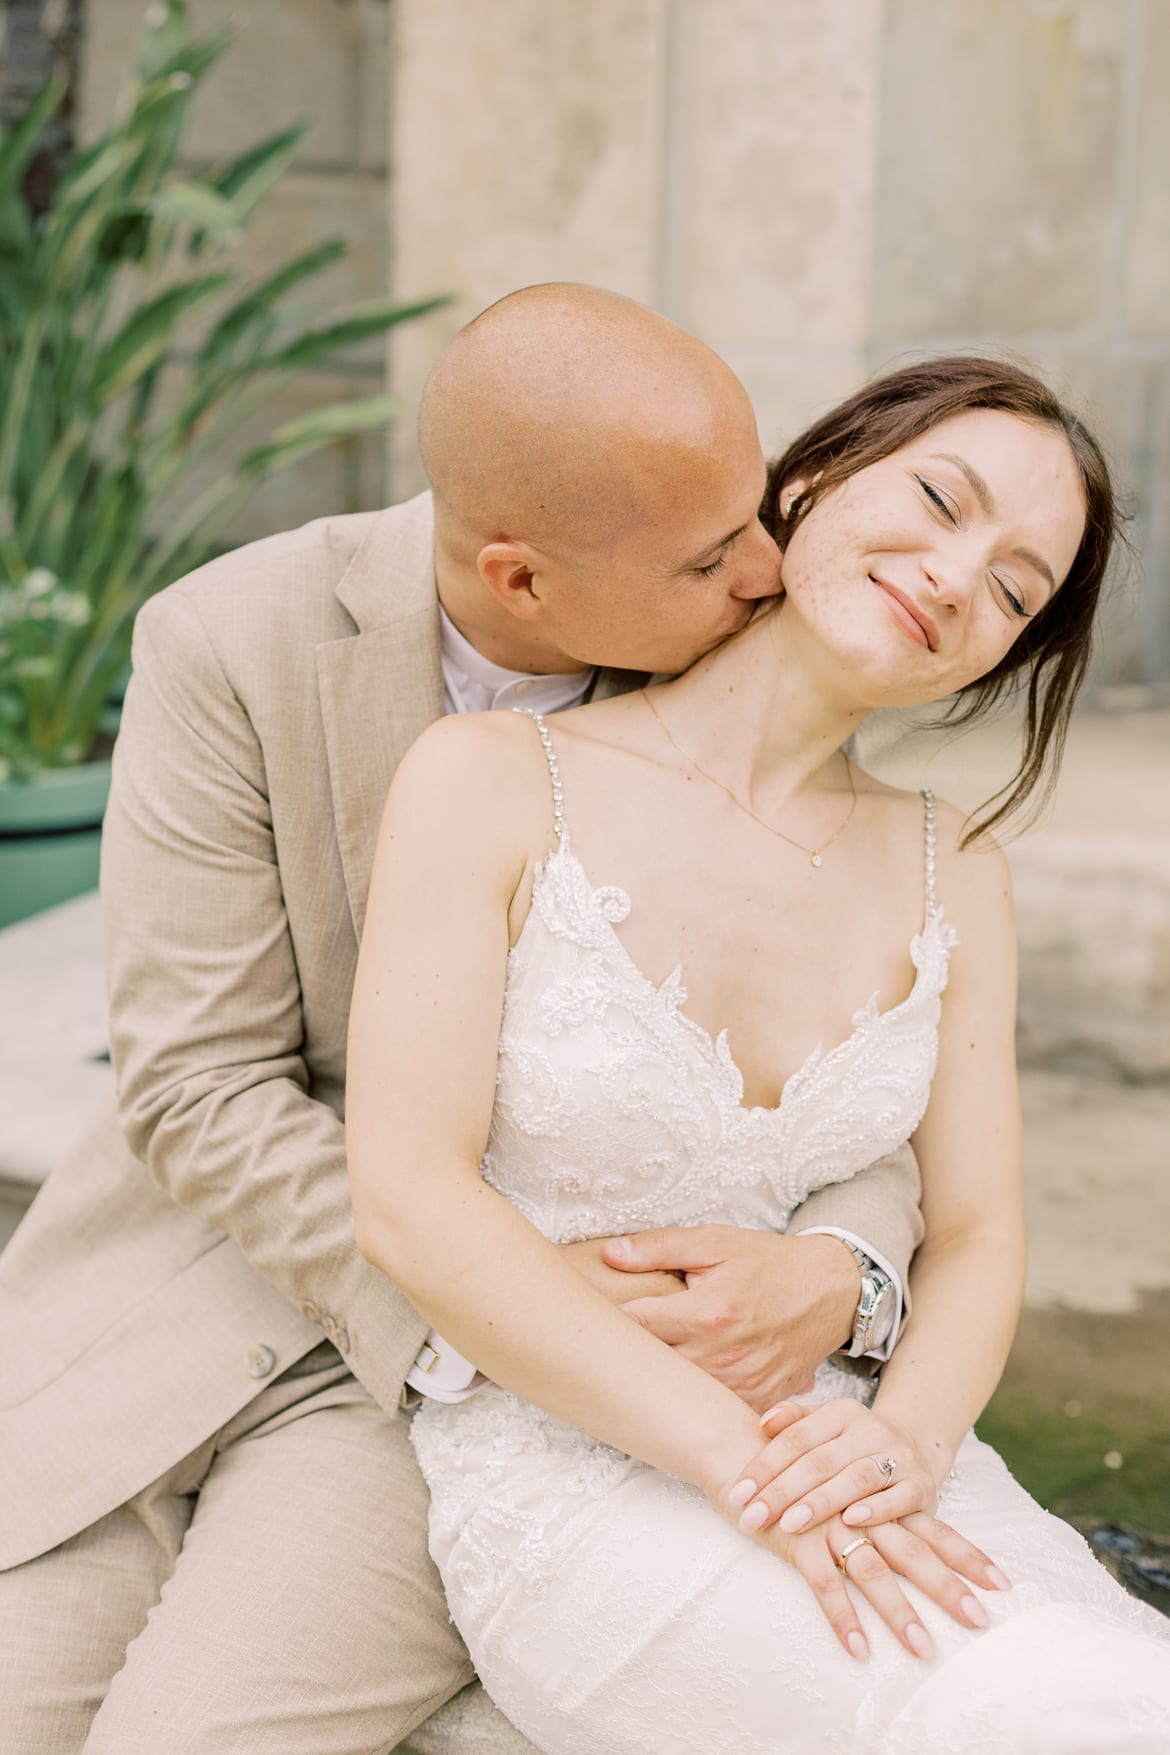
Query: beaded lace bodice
615	1111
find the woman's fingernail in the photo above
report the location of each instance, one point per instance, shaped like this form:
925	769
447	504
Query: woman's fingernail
974	1611
742	1492
918	1639
856	1643
857	1514
618	1246
778	1409
754	1518
999	1579
795	1518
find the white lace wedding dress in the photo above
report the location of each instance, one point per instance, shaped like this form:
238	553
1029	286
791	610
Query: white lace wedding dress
608	1609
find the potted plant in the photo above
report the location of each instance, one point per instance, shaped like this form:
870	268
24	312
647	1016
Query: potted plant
93	295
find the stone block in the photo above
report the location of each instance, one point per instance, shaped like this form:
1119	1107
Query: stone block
1147	280
773	115
996	166
525	143
792	387
314	59
1094	925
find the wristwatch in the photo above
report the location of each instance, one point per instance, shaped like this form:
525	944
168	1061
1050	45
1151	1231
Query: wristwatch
876	1306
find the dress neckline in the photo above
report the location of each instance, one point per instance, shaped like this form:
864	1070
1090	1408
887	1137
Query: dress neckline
609	904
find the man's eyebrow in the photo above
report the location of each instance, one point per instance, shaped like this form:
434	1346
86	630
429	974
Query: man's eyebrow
709	553
983	494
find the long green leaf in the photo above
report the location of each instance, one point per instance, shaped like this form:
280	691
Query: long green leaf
328	339
247	180
325	426
260	301
144	338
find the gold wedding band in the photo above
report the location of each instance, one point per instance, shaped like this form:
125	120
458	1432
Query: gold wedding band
887	1464
843	1556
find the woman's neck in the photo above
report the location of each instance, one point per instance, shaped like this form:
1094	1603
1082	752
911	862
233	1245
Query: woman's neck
763	711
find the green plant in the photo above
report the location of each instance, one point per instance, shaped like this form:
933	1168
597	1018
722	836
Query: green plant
93	298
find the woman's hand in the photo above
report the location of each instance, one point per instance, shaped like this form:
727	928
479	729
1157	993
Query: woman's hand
928	1553
831	1460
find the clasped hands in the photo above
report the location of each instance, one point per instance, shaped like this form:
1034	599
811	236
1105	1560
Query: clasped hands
760	1312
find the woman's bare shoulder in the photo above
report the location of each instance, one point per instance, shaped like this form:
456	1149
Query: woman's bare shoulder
482	773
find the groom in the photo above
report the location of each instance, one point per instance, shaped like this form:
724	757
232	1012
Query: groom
211	1523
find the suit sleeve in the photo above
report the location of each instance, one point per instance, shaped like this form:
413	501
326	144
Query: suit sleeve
207	1032
880	1206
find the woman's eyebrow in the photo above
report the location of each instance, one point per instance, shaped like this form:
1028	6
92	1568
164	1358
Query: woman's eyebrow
987	504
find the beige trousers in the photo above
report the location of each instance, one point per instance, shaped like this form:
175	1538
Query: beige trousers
271	1593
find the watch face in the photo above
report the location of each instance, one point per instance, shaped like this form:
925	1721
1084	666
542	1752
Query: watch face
883	1315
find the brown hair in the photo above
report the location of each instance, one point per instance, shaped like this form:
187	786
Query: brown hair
1049	659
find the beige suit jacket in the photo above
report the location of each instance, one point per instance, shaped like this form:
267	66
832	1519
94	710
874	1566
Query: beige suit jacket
274	692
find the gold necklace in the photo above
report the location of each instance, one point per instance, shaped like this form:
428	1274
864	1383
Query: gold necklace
815	854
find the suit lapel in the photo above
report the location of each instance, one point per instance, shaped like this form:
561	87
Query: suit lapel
380	688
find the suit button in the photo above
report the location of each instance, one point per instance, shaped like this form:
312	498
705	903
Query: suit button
329	1324
341	1340
260	1361
311	1311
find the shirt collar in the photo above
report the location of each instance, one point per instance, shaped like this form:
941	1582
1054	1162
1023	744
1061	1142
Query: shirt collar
473	683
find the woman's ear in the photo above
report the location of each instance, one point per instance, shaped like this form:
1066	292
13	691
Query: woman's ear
793	493
508	570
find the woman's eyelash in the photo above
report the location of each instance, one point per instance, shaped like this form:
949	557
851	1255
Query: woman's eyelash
936	500
712	567
1016	604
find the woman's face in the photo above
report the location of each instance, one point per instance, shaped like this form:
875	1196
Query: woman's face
919	572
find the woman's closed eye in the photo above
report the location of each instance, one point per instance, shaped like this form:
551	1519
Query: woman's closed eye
950	512
712	567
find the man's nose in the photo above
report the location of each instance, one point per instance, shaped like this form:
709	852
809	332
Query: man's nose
762	579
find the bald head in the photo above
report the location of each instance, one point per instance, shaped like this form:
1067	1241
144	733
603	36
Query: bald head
564	415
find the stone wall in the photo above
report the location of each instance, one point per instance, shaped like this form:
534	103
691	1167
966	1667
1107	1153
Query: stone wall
817	191
324	60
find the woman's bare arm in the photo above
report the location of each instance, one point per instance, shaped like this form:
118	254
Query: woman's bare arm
452	868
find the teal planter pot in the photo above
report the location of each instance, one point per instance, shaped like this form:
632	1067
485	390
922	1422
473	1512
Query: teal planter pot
50	836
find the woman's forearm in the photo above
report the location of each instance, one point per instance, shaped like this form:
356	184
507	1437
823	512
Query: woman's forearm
967	1294
509	1300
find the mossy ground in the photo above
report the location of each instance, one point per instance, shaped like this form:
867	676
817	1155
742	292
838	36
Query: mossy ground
1082	1416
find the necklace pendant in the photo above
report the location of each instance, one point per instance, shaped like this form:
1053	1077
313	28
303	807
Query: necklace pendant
816	860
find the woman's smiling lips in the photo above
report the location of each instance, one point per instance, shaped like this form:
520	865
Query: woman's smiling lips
916	622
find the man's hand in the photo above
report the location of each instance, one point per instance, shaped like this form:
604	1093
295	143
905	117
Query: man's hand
759	1312
618	1287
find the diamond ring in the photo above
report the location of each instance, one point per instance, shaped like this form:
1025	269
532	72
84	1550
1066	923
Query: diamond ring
887	1464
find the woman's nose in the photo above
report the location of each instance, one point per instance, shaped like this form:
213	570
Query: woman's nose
950	579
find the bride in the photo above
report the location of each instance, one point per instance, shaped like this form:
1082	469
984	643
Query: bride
676	960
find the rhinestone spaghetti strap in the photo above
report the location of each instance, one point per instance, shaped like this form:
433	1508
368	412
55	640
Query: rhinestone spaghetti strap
554	771
931	896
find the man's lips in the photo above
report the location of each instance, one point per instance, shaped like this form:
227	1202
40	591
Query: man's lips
917	623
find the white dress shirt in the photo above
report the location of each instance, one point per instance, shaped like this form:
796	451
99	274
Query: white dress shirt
473	684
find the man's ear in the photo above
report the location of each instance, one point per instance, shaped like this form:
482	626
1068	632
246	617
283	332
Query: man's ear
509	570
